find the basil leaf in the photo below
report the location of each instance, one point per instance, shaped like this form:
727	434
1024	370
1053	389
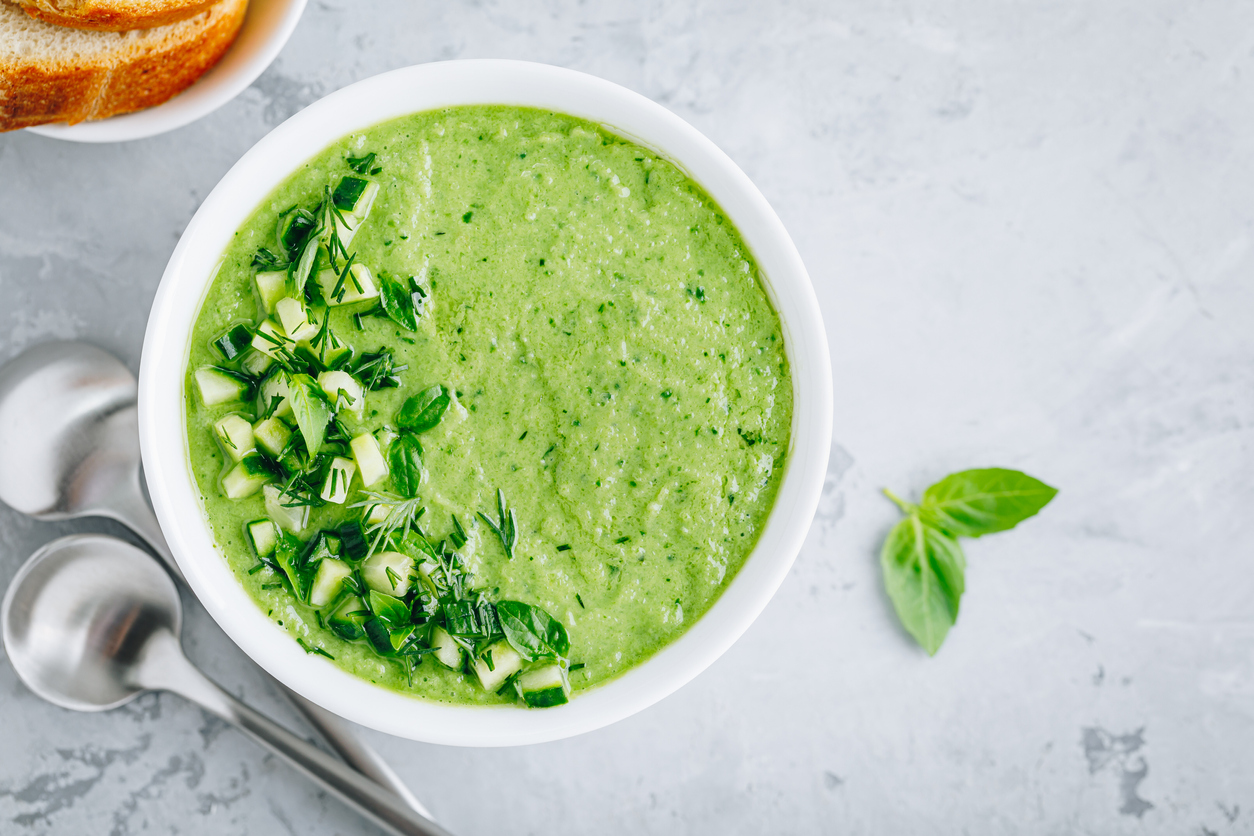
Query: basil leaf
532	632
398	302
287	553
924	577
389	609
424	410
977	502
300	273
311	409
405	463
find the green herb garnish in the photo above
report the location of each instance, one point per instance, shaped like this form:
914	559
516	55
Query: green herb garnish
361	164
532	632
924	567
423	411
506	526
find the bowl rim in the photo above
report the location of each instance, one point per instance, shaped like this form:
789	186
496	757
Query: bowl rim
427	87
266	28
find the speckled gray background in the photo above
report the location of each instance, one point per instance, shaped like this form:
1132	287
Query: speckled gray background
1030	227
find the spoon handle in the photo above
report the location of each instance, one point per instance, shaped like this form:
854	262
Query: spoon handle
164	667
130	508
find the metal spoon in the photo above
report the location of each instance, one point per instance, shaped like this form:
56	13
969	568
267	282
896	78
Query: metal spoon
91	622
69	447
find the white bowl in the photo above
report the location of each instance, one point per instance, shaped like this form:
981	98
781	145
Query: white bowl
425	87
267	26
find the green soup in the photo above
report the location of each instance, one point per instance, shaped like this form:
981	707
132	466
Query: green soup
611	365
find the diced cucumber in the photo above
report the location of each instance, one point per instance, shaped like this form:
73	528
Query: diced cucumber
353	543
256	363
544	686
246	478
271	339
388	572
276	387
379	636
234	342
235	435
262	534
370	462
295	319
272	434
355	195
346	226
328	582
505	663
218	385
271	287
293	519
447	652
358	287
377	513
349	619
339	477
335	383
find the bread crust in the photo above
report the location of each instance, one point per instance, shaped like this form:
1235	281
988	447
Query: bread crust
137	75
106	16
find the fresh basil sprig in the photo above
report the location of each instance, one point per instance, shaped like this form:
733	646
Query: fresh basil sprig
532	632
402	300
405	464
924	567
424	410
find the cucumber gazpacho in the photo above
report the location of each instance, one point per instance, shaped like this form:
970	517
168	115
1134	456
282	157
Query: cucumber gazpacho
487	405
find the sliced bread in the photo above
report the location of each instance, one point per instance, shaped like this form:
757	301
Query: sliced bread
114	15
54	73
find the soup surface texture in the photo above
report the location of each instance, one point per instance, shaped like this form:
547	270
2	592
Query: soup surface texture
611	364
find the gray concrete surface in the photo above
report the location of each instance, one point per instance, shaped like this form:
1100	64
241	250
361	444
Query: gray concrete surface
1031	229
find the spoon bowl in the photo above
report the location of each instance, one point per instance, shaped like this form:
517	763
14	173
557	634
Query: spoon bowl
69	434
78	616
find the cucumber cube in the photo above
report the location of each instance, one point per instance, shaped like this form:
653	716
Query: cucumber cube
295	319
262	534
256	363
275	387
273	435
218	386
447	652
544	687
339	477
505	663
235	435
234	342
388	572
248	476
376	514
271	287
359	287
271	339
370	462
328	582
342	389
293	518
349	619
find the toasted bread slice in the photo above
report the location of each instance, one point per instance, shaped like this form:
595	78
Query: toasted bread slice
114	15
54	73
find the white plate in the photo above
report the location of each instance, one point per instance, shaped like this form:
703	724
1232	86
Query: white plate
162	425
267	26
